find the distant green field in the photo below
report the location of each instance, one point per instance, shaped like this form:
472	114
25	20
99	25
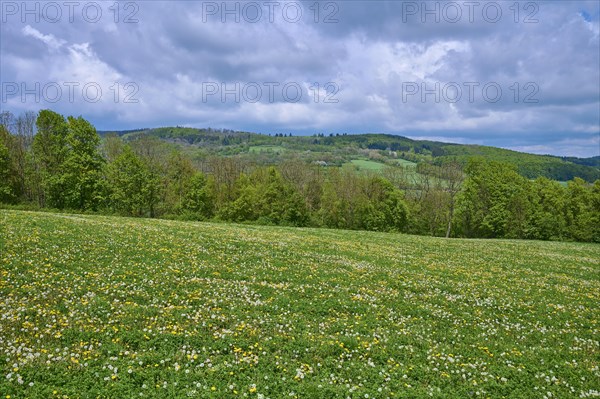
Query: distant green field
266	148
363	164
109	307
404	162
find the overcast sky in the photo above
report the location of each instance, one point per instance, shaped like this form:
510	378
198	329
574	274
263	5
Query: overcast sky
520	75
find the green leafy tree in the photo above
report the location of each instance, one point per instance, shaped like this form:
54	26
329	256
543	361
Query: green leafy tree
176	181
341	192
8	191
453	175
333	208
385	208
112	147
265	196
50	147
306	178
134	188
429	211
582	211
82	168
198	199
278	201
493	202
355	201
244	205
595	211
547	212
16	136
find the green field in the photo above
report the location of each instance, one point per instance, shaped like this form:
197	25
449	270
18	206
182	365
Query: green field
405	163
109	307
256	149
366	165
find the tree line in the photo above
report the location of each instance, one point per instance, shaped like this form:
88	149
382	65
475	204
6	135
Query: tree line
51	162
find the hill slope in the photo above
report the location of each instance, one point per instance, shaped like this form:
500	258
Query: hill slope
115	307
341	149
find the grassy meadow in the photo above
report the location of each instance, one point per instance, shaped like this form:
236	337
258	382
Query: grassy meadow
109	307
266	149
366	165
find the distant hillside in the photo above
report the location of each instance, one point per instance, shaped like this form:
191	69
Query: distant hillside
592	161
531	165
337	150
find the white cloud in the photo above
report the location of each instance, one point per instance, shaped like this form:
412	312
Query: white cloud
368	54
52	42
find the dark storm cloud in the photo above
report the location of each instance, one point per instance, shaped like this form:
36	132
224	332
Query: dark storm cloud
372	51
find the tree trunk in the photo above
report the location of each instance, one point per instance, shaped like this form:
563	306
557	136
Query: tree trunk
450	221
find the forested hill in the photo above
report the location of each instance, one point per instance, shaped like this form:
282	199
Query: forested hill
339	149
353	182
